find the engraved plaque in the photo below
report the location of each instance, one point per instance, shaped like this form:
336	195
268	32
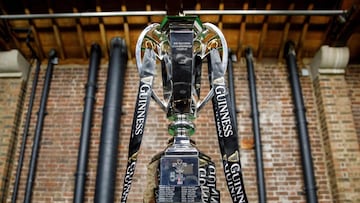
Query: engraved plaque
179	194
179	170
179	179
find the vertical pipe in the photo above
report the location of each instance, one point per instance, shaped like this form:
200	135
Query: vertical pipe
108	152
80	175
256	126
231	87
299	109
39	125
28	118
26	130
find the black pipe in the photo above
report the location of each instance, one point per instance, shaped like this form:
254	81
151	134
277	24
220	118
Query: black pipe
39	126
27	120
80	175
231	87
299	108
256	126
108	152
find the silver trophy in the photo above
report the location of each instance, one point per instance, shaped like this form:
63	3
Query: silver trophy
184	174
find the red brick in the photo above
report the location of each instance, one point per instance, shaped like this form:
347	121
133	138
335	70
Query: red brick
283	171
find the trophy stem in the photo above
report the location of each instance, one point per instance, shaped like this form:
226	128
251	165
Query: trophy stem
181	128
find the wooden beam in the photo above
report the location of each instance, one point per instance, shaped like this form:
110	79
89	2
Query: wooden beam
57	36
80	35
14	40
4	45
148	8
242	31
198	6
127	33
303	33
39	47
221	7
173	7
342	27
104	42
335	26
263	33
285	33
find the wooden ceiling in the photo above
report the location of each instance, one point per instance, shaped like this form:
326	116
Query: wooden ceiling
266	34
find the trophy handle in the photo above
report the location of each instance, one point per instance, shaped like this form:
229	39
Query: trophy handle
220	70
150	37
222	46
141	45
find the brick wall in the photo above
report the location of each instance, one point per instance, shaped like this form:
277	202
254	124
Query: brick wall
60	139
282	164
353	80
339	136
11	100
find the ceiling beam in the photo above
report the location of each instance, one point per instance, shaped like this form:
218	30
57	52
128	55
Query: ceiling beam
263	33
39	47
4	40
342	27
80	35
220	24
174	7
148	8
285	33
127	33
242	31
103	38
57	36
8	40
303	33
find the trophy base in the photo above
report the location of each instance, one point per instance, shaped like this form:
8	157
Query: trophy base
196	183
179	178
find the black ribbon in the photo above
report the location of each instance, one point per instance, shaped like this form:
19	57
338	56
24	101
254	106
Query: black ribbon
139	119
207	173
226	129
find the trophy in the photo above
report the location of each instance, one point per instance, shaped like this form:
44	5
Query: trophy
183	173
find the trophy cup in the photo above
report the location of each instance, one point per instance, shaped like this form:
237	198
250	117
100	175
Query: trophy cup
183	173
